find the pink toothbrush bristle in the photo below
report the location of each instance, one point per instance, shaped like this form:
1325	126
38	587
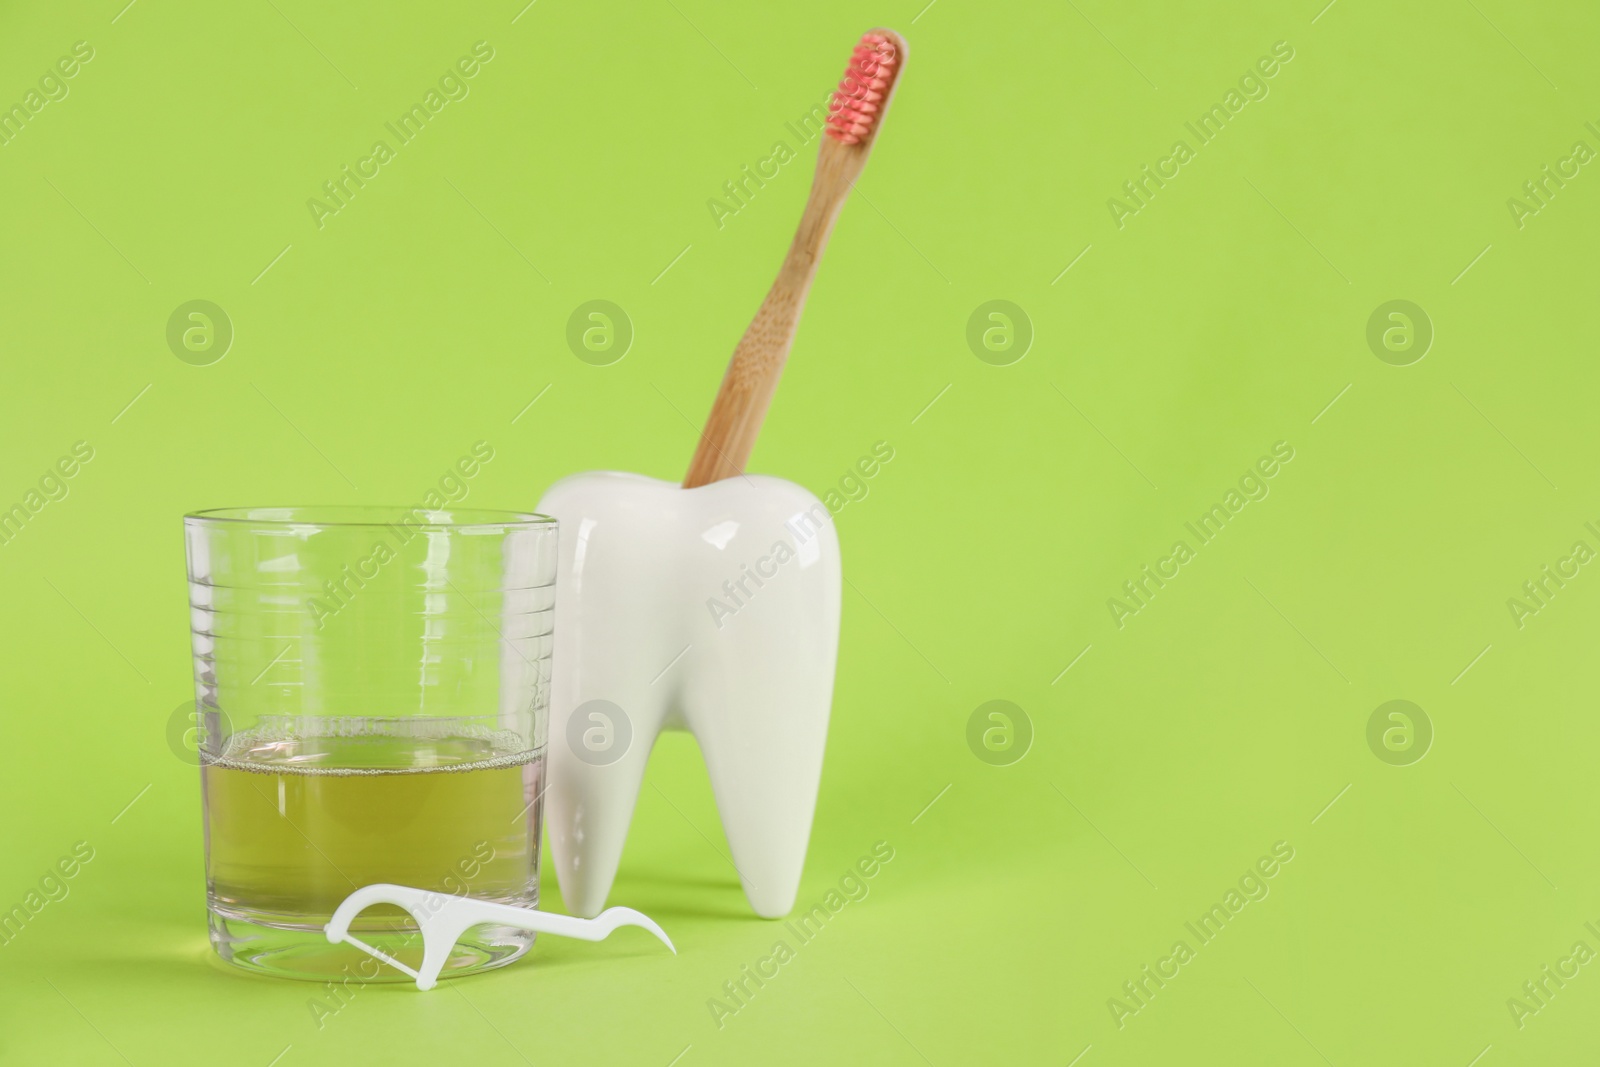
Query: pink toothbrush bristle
859	99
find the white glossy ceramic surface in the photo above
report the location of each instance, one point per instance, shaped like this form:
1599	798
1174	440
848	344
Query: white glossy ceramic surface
716	610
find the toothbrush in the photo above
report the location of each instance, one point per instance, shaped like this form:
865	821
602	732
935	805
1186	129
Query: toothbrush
854	118
442	918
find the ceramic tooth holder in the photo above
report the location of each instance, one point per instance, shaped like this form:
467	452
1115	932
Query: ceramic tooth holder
713	610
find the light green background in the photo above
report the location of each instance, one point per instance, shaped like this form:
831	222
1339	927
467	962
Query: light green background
1225	316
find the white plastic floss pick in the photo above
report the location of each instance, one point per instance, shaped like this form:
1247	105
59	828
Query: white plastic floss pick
443	918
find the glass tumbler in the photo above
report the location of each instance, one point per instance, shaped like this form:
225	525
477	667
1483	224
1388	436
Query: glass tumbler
371	688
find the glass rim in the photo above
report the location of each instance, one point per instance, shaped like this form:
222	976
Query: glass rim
342	516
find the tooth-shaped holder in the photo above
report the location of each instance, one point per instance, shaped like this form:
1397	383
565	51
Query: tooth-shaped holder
443	918
679	608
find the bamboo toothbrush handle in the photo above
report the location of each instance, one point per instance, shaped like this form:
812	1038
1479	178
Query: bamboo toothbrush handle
757	363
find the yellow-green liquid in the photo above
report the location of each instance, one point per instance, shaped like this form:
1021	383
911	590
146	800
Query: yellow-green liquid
296	824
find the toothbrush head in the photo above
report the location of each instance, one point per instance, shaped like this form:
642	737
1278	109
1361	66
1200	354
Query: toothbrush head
858	104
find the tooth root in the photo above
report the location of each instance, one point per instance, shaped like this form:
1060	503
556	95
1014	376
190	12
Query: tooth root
589	808
605	713
762	740
640	560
